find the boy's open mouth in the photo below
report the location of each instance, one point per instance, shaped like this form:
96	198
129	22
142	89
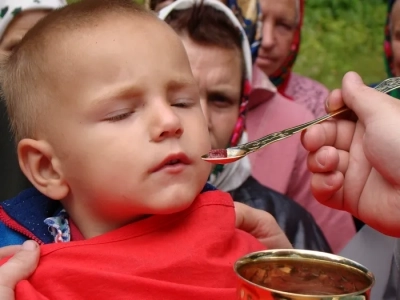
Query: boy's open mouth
172	160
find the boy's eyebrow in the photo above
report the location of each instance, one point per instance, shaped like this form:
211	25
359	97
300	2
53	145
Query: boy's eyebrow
179	83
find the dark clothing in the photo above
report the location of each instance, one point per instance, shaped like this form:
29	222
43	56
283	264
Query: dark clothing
295	221
393	289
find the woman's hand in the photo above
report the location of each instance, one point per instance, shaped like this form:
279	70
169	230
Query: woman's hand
262	226
356	164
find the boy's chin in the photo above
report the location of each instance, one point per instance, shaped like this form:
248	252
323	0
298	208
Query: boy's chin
173	202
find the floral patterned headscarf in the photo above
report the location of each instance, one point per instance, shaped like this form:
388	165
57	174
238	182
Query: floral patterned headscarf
387	47
11	8
249	13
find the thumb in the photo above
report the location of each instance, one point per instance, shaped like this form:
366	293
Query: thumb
261	225
17	268
363	100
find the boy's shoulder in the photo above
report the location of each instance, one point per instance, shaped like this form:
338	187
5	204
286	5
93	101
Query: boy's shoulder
22	218
10	237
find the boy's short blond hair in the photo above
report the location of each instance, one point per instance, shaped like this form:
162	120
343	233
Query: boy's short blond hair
23	74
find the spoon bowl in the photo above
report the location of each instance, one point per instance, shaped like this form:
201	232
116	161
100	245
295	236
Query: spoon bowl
233	154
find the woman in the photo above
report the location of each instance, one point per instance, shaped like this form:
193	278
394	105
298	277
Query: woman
17	17
220	59
276	43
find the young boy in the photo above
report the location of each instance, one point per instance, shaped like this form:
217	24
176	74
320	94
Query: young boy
110	132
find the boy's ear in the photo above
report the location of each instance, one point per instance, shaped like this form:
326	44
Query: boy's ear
40	165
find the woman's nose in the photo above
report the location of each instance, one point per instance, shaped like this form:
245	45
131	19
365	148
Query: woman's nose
268	38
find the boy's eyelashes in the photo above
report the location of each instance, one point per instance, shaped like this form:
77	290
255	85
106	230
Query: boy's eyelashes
121	115
183	103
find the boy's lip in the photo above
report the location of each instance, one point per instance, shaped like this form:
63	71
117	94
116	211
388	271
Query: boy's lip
180	157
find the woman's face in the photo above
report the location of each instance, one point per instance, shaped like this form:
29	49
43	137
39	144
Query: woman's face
395	36
218	72
17	29
279	20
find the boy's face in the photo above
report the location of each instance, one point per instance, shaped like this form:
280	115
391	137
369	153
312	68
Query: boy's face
127	126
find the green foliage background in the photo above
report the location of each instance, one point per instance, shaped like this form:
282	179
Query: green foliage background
340	36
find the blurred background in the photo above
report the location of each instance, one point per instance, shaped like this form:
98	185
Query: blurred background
340	36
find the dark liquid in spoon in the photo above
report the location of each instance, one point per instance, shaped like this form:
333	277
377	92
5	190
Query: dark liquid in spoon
218	153
306	277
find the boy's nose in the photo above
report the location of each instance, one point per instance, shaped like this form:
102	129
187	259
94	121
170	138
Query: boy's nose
166	124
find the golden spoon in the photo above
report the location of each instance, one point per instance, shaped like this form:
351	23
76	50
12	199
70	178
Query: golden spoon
229	155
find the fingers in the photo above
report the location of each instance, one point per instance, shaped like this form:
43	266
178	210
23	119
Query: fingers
363	100
327	188
338	134
18	267
262	226
9	251
329	166
328	159
334	101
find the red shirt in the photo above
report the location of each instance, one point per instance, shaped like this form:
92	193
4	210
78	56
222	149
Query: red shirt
186	255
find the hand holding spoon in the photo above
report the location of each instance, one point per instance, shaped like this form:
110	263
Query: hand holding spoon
232	154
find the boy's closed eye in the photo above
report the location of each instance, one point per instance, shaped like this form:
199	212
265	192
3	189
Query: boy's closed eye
124	114
183	103
119	116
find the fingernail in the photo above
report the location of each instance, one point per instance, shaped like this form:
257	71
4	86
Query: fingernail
331	180
321	157
29	246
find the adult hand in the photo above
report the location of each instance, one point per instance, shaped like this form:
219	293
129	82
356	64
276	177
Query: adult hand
19	267
262	226
356	164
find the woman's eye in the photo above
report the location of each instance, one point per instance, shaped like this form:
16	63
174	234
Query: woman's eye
220	101
181	105
119	117
286	26
10	48
397	35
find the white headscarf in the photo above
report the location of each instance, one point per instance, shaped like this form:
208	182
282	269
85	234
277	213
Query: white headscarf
10	8
185	4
